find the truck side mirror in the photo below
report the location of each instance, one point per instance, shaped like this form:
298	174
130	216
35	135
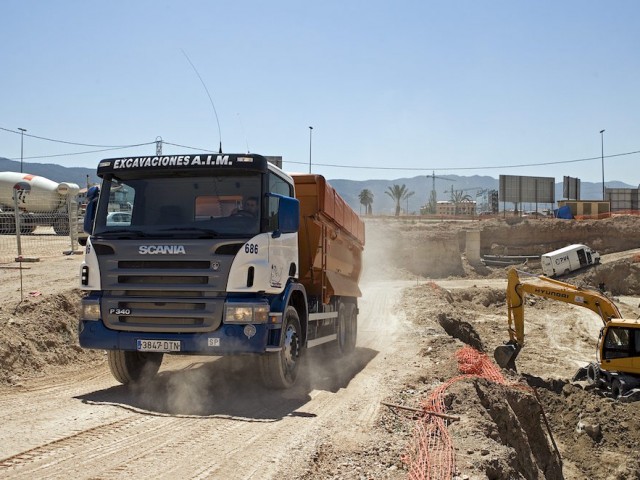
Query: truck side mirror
287	213
90	213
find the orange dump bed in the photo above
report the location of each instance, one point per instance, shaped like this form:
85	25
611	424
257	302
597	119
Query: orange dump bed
331	240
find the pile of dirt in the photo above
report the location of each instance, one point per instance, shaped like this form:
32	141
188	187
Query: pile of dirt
39	334
599	437
621	277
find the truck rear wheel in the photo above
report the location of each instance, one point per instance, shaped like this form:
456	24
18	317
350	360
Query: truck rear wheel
130	367
280	369
347	331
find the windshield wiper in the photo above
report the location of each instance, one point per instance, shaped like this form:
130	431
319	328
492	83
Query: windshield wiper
208	231
120	231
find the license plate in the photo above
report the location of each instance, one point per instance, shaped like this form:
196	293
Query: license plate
158	345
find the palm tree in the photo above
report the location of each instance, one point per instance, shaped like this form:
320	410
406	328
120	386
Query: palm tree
406	197
366	199
398	193
457	197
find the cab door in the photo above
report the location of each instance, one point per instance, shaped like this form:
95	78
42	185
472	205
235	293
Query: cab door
621	350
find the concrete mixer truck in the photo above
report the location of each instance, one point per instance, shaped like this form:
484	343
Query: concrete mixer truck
39	201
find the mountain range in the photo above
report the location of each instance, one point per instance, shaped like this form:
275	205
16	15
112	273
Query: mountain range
421	185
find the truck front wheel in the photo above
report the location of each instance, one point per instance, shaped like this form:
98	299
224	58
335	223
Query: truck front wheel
130	367
280	369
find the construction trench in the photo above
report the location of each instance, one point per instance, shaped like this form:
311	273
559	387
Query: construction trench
503	433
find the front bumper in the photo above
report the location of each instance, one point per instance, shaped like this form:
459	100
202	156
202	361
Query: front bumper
226	340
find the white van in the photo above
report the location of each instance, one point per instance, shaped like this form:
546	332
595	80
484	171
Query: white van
568	259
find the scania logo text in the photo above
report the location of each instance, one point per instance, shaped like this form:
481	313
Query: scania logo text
161	249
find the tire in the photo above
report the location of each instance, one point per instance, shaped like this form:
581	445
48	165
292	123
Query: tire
593	374
131	367
618	388
280	369
352	329
347	332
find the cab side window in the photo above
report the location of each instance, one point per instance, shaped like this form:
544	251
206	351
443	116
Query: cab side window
616	343
281	186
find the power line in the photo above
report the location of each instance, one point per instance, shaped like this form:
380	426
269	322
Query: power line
191	148
355	167
361	167
75	143
77	153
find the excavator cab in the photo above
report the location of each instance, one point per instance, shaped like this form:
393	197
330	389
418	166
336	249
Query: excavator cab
505	355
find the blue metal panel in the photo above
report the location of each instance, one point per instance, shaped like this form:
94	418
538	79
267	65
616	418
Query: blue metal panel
232	340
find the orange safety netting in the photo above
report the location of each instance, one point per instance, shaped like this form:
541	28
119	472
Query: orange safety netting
431	454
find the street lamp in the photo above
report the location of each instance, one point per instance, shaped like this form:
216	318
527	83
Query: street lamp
310	132
22	130
602	153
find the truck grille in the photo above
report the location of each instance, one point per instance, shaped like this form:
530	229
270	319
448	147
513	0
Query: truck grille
153	313
177	265
165	294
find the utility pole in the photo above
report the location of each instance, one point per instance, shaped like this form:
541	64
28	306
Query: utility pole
22	130
310	132
602	153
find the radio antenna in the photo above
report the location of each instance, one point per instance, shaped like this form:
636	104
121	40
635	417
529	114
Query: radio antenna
208	94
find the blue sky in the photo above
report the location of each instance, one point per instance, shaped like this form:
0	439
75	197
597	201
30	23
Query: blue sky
459	87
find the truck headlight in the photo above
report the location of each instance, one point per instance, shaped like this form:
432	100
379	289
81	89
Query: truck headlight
84	275
90	310
244	313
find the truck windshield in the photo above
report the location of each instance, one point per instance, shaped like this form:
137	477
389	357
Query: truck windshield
180	206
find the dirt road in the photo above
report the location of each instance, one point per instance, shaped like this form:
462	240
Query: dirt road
201	418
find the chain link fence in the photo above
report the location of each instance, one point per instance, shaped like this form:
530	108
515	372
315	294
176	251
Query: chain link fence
38	219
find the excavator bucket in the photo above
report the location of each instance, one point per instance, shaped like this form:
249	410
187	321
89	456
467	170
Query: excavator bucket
506	355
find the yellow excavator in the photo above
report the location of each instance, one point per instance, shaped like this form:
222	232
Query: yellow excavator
617	365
